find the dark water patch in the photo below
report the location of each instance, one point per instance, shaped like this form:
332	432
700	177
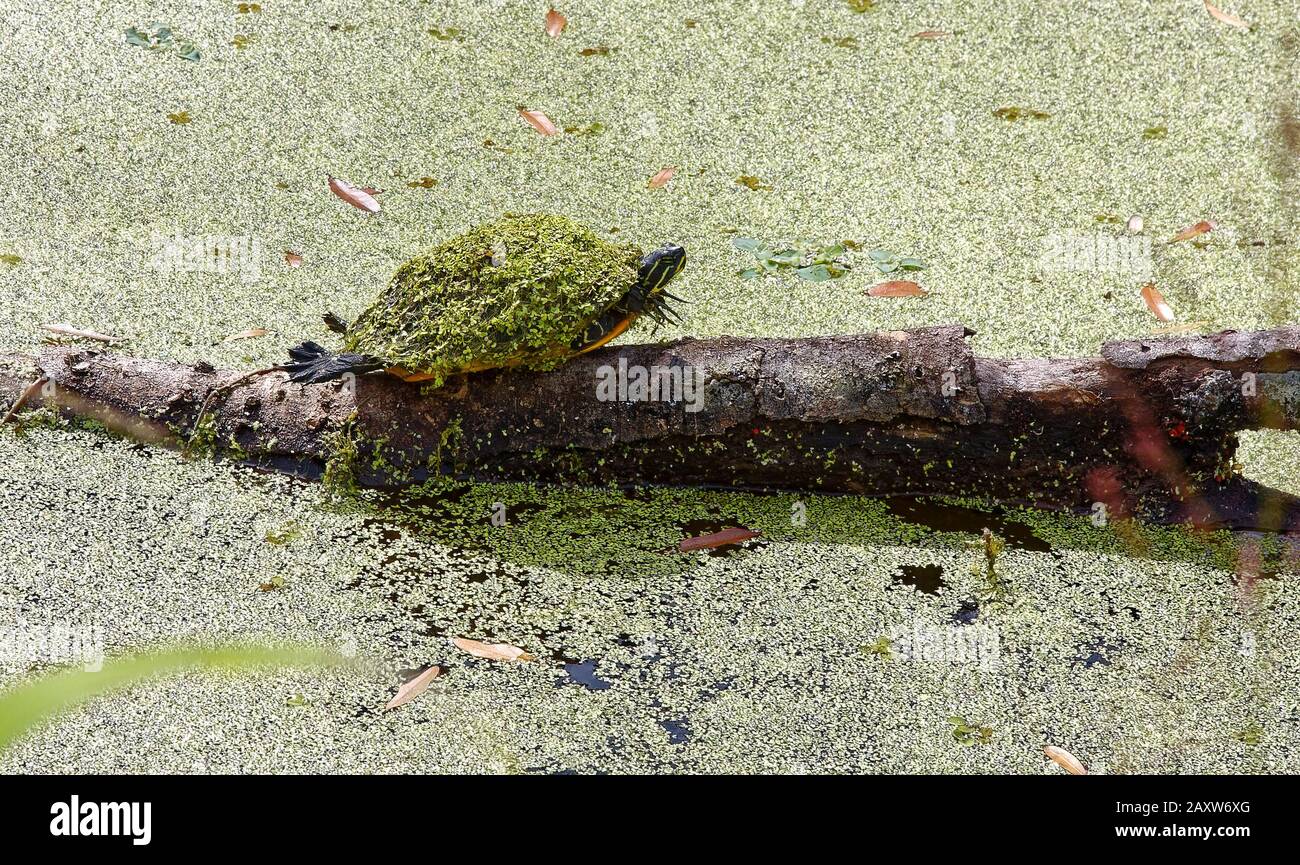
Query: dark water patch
1098	652
923	578
967	613
584	673
679	732
944	517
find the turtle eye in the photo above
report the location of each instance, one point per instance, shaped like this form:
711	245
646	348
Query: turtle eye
660	266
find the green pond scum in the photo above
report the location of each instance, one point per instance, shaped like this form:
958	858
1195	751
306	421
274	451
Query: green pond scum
951	159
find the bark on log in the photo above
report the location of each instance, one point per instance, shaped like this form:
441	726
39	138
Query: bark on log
1148	427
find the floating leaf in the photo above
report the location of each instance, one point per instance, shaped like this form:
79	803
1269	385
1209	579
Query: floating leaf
79	333
272	585
555	23
896	288
414	688
589	131
293	259
849	42
445	34
251	333
242	41
860	6
1014	112
751	182
661	177
180	117
1155	302
246	8
1203	227
748	244
1225	17
1152	133
492	651
815	273
11	259
362	198
423	183
717	539
538	121
597	51
931	34
1065	760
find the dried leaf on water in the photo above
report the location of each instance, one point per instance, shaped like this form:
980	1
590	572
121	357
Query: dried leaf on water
360	197
931	34
555	23
661	178
1155	302
293	259
414	688
717	539
1065	760
251	333
80	333
492	651
538	121
1205	226
1225	17
896	288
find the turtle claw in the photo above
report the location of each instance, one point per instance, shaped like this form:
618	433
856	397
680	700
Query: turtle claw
315	364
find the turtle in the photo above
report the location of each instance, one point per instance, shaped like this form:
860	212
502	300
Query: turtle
526	290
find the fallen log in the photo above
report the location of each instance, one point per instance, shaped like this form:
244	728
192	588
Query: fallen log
1147	428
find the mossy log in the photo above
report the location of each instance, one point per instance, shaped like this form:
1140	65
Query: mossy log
1149	427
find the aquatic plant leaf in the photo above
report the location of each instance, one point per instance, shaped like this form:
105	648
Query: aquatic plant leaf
1152	133
492	651
1226	17
414	688
815	273
423	183
748	244
538	121
896	288
1015	112
555	23
362	198
717	539
596	51
661	177
750	182
860	6
27	705
1203	227
1065	760
293	259
80	333
1155	302
931	34
180	117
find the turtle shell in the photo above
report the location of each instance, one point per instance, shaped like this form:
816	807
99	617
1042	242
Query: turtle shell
514	292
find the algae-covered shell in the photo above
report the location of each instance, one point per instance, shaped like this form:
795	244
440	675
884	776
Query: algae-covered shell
513	292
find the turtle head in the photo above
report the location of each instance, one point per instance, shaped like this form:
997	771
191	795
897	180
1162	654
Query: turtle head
656	270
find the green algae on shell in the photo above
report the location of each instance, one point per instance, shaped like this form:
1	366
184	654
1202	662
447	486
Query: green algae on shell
507	293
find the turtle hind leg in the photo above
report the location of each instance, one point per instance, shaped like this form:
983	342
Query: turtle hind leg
314	364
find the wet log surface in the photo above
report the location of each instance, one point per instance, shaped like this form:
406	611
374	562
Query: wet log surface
1148	427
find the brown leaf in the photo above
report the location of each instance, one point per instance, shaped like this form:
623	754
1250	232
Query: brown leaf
1156	302
661	178
1225	17
293	259
717	539
492	651
1065	760
896	288
931	34
538	121
360	197
1205	226
79	333
251	333
414	688
555	23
